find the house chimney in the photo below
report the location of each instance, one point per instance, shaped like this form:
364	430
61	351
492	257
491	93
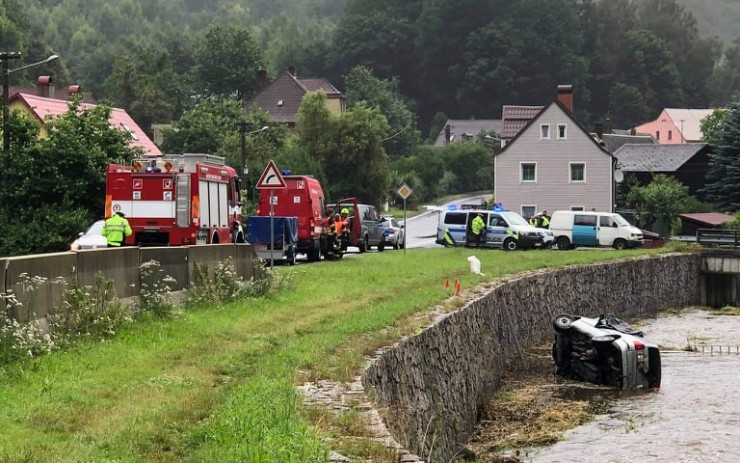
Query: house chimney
291	70
448	131
261	83
565	96
45	86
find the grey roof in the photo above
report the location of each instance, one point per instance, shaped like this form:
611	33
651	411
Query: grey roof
612	142
467	129
656	158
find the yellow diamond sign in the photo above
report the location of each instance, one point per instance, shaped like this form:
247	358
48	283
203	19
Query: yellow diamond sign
404	192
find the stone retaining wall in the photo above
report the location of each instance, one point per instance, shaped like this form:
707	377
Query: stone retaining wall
430	387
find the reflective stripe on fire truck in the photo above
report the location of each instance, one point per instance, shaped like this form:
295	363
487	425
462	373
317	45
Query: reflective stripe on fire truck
145	209
195	210
108	203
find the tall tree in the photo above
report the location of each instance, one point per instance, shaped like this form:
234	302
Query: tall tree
662	199
723	185
204	128
363	86
226	62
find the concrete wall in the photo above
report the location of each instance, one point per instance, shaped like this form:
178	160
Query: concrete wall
431	386
120	265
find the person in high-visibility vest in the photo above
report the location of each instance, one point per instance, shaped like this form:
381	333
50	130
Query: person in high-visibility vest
478	228
544	220
116	230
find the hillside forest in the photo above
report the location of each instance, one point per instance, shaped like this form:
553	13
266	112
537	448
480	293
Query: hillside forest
405	66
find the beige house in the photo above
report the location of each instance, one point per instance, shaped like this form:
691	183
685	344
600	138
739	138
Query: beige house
553	163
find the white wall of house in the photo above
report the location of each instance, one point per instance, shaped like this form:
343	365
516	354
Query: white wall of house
561	171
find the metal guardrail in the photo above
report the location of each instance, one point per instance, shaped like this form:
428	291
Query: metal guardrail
718	237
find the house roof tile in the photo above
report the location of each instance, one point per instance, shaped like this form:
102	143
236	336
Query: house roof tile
656	158
612	142
282	98
707	218
120	119
515	118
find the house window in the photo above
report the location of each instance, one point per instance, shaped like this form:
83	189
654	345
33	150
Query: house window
528	172
562	132
528	211
657	134
577	208
545	132
577	172
670	134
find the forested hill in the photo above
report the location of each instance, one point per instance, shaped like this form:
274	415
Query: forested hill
462	58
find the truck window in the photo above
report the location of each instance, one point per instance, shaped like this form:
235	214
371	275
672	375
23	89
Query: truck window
587	220
456	218
606	221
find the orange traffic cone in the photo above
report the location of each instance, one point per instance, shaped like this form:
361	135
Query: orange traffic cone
457	287
447	283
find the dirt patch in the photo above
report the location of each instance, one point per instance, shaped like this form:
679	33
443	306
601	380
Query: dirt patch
531	409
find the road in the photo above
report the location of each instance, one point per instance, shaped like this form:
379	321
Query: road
421	230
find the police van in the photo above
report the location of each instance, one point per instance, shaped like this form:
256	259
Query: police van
504	230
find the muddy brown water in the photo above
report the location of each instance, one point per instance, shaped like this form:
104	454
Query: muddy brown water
694	417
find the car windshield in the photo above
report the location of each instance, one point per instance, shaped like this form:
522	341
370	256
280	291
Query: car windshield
514	219
621	221
96	228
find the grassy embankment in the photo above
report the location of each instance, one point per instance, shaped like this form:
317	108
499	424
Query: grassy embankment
217	384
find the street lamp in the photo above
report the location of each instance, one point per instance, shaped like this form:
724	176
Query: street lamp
243	148
5	57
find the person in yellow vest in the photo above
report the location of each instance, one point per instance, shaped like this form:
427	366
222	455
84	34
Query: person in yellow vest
544	220
478	228
116	230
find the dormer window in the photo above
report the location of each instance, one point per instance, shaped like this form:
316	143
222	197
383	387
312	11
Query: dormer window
545	132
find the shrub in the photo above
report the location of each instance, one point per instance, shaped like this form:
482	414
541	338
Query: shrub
154	296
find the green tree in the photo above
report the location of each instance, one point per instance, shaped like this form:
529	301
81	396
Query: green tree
723	186
53	187
631	109
711	126
226	62
726	78
363	86
662	199
204	128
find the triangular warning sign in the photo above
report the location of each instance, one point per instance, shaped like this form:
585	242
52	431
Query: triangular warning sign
271	177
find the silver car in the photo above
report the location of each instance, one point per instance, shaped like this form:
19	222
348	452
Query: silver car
605	351
92	238
393	232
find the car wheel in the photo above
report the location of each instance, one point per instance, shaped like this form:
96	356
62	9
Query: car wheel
563	322
510	244
620	244
599	342
381	247
563	243
291	255
361	246
367	244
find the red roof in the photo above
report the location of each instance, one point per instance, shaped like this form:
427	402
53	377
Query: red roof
515	118
43	107
708	218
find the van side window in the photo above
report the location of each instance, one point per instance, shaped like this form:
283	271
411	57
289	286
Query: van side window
497	221
606	221
587	220
456	218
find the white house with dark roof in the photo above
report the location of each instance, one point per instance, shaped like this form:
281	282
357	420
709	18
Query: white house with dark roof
553	163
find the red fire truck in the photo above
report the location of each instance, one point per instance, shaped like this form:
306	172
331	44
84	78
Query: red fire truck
179	200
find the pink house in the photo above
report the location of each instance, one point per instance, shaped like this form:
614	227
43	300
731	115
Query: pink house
676	126
42	107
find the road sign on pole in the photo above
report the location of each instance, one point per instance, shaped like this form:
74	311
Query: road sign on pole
404	192
271	178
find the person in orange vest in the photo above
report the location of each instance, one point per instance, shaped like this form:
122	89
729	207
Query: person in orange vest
339	227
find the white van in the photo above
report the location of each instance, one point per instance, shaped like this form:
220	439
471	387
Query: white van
581	228
504	230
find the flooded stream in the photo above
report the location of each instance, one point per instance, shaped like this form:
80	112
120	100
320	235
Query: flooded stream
695	417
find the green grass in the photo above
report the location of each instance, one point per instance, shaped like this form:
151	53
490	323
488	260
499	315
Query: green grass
217	384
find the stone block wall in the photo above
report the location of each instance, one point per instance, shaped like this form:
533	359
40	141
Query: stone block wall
430	387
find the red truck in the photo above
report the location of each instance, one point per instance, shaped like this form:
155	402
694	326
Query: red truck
180	200
304	199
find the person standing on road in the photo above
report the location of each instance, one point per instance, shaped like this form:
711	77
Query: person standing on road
116	230
544	220
478	227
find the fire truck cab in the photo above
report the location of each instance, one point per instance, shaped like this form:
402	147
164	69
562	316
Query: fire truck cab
177	200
